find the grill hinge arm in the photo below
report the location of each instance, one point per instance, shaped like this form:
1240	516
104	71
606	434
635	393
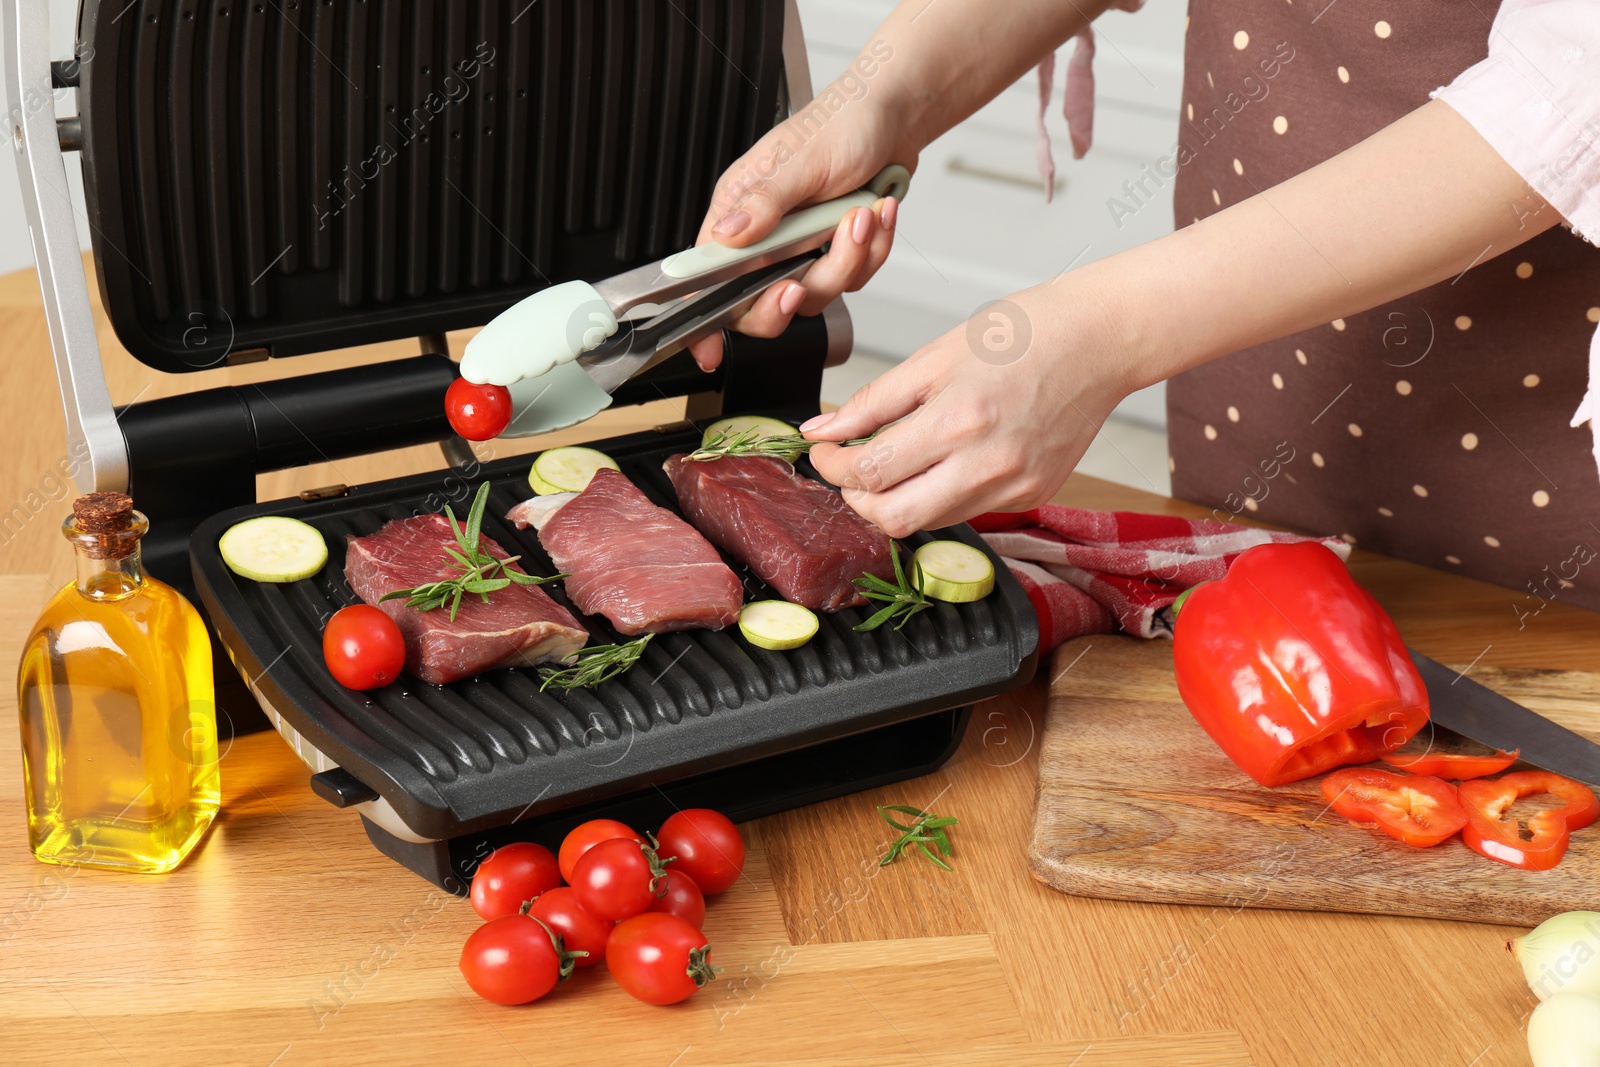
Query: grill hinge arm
92	431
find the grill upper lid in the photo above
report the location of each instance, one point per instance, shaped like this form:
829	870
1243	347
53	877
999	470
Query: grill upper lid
297	177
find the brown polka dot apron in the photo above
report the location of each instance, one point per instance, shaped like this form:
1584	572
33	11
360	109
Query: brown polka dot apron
1434	428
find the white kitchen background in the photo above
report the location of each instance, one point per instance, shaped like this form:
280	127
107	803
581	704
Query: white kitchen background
975	227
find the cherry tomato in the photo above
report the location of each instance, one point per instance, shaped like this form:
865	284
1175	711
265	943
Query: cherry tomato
362	647
585	836
580	931
683	899
619	878
660	959
514	960
706	846
512	876
477	412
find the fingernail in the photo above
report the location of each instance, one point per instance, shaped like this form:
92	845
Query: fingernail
861	228
816	422
891	211
789	302
732	224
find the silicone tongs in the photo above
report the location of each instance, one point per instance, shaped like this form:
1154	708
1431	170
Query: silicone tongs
693	293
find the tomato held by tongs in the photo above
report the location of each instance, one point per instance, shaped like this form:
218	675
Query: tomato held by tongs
1293	668
1537	842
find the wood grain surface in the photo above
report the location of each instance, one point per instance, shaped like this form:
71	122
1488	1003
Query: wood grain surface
287	940
1137	803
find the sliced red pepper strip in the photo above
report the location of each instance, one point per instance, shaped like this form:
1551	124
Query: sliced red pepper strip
1293	668
1417	809
1452	765
1489	833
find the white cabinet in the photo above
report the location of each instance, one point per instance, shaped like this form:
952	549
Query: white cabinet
975	226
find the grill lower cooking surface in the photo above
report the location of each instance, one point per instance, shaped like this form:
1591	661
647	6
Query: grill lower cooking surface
479	753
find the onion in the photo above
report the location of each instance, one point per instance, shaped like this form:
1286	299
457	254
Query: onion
1561	954
1564	1031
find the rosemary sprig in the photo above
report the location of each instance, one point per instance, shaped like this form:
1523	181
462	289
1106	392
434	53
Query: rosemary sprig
593	665
928	829
903	599
753	442
481	573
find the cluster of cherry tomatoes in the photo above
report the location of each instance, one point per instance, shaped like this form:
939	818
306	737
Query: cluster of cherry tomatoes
630	900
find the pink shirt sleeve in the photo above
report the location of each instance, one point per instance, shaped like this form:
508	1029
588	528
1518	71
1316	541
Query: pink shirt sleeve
1536	100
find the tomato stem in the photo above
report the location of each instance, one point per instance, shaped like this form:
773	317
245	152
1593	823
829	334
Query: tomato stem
658	866
569	960
700	968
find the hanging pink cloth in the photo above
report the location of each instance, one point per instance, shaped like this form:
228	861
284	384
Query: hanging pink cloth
1077	104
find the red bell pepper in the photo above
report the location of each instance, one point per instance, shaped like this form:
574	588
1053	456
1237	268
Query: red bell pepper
1417	809
1452	765
1489	833
1293	668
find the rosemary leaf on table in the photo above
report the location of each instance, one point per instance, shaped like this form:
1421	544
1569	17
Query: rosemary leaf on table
481	573
927	829
901	600
588	667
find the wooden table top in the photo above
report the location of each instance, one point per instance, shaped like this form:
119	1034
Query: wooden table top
286	939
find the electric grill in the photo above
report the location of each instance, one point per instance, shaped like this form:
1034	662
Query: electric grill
265	179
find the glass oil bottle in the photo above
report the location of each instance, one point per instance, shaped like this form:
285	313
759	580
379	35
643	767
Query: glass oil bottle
115	697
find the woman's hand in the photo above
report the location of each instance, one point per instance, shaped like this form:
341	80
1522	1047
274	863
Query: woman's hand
992	416
798	163
927	67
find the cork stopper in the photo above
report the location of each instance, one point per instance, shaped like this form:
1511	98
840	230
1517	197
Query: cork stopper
103	512
108	520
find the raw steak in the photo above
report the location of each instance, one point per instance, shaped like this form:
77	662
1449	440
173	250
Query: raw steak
796	533
518	627
640	566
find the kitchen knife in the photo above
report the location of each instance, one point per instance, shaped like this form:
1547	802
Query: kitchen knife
1463	706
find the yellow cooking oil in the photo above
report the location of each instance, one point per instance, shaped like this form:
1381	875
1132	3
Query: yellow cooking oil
116	703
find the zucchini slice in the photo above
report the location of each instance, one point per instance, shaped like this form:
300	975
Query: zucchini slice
953	572
567	470
273	548
777	624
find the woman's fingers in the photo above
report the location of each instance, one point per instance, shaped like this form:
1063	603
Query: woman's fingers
753	194
770	314
768	317
849	262
881	244
707	351
887	398
959	486
845	266
860	245
765	184
893	455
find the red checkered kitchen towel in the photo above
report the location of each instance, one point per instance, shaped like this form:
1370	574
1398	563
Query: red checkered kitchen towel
1092	572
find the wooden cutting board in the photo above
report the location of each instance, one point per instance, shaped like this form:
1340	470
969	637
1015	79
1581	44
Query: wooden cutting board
1135	802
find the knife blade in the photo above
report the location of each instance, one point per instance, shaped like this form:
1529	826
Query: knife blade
1466	707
